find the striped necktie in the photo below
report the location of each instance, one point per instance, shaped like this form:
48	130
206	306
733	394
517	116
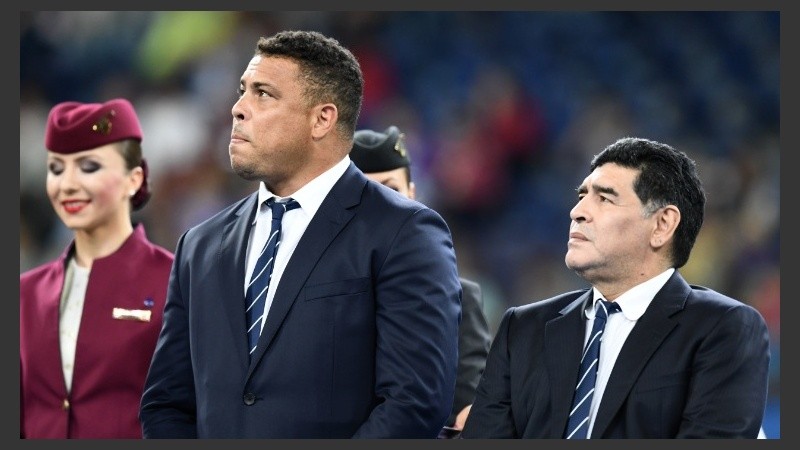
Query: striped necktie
578	424
256	295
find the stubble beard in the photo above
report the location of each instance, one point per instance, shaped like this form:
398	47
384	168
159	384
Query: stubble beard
243	171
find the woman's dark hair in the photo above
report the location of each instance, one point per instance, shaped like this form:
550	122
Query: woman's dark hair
131	151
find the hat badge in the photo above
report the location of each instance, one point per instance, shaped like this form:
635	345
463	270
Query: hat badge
103	126
400	146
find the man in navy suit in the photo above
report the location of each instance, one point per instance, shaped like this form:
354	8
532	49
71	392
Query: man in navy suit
678	361
360	328
384	158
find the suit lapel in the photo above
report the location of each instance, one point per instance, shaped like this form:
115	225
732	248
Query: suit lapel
230	276
648	333
563	353
333	214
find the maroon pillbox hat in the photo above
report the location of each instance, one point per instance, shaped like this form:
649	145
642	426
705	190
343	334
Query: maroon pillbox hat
73	126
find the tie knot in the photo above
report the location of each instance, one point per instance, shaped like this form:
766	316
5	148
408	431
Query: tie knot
278	208
605	308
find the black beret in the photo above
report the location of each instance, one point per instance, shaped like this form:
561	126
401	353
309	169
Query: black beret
379	152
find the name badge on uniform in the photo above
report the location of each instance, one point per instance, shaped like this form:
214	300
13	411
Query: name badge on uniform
139	315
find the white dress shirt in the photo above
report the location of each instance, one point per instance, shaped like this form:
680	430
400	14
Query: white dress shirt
633	303
71	310
293	225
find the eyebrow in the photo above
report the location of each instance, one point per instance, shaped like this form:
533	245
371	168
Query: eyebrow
388	178
255	84
91	156
601	189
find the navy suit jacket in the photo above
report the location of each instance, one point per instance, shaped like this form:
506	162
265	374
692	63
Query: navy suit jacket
360	341
694	366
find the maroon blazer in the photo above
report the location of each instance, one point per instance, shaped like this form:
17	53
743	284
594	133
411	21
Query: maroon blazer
112	354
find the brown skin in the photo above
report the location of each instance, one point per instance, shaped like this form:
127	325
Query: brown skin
91	191
396	179
613	243
277	136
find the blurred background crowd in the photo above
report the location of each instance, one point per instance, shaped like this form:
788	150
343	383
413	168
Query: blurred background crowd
502	113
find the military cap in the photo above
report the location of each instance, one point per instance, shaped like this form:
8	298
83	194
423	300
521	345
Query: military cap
379	152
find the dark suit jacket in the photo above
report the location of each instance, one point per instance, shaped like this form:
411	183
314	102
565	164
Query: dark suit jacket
360	341
694	366
474	339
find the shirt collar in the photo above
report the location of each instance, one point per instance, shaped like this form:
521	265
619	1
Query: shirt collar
635	301
314	192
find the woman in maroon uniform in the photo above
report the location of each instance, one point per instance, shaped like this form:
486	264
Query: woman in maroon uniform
89	320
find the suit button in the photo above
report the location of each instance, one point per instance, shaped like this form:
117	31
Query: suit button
65	405
249	398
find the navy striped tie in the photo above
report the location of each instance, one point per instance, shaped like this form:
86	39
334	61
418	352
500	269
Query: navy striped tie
256	295
578	425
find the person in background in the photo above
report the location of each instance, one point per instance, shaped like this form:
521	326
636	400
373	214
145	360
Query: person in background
89	320
384	158
675	360
355	332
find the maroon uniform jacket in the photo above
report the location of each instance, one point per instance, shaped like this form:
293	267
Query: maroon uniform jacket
112	355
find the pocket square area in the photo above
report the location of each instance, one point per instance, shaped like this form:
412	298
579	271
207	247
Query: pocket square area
139	315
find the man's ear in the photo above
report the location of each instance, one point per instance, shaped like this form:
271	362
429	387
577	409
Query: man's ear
324	120
667	220
412	190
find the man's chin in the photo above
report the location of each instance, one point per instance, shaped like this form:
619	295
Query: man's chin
575	265
244	172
